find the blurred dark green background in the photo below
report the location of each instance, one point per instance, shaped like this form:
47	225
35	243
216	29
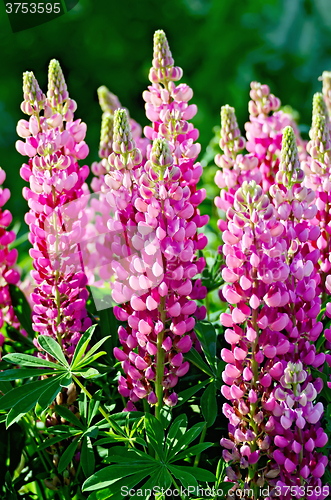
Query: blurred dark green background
221	45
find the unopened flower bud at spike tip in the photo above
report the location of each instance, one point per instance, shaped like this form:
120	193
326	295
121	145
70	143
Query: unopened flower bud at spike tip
122	129
33	96
108	101
161	154
162	51
163	69
231	141
319	106
106	136
326	79
57	87
290	171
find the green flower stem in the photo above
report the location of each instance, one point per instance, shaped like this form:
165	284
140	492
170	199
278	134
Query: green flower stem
202	438
35	442
176	486
57	294
66	493
160	364
89	395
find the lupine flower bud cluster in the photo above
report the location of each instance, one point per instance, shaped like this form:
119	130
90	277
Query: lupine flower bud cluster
264	131
158	204
326	79
273	289
99	259
236	168
318	177
54	143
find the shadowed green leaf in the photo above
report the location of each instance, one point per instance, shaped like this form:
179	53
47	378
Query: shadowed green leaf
52	347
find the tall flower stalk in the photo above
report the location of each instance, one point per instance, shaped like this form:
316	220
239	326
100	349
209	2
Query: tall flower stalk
162	198
54	143
273	292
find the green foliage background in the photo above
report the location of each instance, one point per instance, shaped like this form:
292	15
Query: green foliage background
221	45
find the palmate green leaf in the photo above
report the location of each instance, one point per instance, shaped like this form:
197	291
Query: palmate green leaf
89	354
121	454
186	439
87	457
164	479
152	481
48	397
52	441
192	451
66	431
88	360
67	455
185	395
108	475
94	405
155	434
198	473
209	405
11	398
22	373
52	347
88	373
69	416
82	346
22	309
115	492
66	380
207	337
119	439
92	432
194	357
175	432
184	477
166	416
29	399
32	361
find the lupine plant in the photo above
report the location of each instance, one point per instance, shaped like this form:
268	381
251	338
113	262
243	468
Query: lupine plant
174	405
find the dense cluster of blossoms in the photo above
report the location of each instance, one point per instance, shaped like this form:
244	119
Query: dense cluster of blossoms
273	292
157	203
8	273
326	79
264	131
145	245
318	178
98	256
54	142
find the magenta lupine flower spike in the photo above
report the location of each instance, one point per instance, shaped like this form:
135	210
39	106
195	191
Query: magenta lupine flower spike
296	419
326	80
318	177
252	245
54	144
8	273
157	281
100	259
167	107
264	132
